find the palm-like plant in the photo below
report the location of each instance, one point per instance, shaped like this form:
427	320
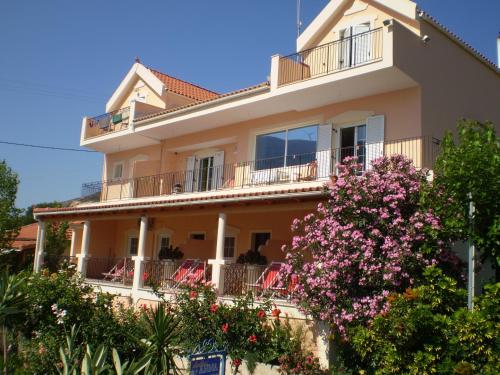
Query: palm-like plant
12	304
163	340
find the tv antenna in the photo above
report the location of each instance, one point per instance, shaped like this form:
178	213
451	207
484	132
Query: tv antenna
299	22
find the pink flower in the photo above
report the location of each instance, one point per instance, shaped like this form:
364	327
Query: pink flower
261	314
252	339
225	327
193	294
214	308
145	276
276	313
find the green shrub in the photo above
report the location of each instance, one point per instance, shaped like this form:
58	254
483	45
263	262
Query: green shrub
61	300
429	330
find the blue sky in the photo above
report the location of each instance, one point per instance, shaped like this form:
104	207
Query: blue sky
61	60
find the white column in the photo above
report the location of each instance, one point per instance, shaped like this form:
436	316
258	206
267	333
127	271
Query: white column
218	262
324	344
40	246
274	76
141	251
84	251
73	244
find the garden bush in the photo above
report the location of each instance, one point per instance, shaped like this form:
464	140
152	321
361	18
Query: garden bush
428	330
58	301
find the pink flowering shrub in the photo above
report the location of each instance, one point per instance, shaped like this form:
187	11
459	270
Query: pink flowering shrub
370	239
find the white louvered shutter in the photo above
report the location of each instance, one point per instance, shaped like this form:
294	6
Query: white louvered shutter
189	177
324	150
218	172
374	139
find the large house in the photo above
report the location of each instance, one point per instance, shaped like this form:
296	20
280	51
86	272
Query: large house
220	174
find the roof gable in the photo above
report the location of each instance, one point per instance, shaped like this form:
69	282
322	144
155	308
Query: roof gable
336	8
159	83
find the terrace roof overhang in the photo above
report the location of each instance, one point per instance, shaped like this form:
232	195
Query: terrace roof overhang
259	102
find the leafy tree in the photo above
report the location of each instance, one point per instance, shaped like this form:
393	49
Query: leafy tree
371	238
471	165
9	214
56	243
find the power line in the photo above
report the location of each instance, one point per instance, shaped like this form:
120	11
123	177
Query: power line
45	147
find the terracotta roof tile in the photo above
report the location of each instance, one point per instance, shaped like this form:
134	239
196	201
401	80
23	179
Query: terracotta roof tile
47	211
26	237
221	96
184	88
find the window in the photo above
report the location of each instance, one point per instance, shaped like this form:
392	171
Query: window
163	242
205	171
197	236
287	147
355	45
117	171
229	246
353	143
259	239
133	246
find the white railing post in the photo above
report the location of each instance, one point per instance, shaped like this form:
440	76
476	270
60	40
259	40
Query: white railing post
40	246
218	262
141	251
84	251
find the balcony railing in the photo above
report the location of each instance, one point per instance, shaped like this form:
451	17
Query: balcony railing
111	270
107	123
319	165
346	53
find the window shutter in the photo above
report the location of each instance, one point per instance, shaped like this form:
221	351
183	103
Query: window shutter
218	172
189	178
374	139
324	150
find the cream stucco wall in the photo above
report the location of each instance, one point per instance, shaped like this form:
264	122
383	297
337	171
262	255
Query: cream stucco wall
357	12
454	83
400	108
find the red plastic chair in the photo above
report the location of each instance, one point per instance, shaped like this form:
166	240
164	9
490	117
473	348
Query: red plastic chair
268	280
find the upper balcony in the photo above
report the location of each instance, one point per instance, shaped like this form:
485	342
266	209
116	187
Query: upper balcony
206	176
340	55
354	67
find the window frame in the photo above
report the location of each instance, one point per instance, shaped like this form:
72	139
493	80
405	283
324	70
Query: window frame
253	232
285	129
234	246
191	234
116	164
129	245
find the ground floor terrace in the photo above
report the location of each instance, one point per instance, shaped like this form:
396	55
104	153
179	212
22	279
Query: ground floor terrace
235	246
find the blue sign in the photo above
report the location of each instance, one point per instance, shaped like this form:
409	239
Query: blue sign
207	359
205	366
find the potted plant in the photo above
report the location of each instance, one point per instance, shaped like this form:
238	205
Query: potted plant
254	261
252	257
170	253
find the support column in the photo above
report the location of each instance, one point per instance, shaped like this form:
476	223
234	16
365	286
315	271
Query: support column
40	246
141	251
73	240
84	251
218	262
